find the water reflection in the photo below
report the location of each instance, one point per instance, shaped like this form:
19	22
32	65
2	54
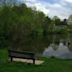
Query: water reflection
62	51
58	45
49	51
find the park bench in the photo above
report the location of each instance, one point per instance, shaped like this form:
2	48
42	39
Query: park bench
19	54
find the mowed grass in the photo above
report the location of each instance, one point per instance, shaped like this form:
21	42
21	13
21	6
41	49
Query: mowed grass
50	65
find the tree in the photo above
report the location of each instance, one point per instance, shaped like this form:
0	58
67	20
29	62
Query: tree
64	22
47	24
56	20
69	21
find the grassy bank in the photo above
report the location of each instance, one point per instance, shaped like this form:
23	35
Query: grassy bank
50	65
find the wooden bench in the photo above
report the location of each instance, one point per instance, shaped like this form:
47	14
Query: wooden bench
23	55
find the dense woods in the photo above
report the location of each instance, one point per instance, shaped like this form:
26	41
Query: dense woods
18	23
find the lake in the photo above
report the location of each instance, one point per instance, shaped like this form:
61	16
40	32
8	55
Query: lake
62	43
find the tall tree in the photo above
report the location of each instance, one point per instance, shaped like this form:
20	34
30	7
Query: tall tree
70	20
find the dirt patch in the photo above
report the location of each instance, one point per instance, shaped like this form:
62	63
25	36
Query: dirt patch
37	62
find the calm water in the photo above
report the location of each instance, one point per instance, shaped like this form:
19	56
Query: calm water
62	45
61	51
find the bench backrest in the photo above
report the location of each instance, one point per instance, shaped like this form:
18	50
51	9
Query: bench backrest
20	54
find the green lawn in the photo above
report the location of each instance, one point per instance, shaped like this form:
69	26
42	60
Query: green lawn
50	65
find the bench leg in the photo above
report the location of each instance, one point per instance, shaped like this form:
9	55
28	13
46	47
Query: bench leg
33	61
11	59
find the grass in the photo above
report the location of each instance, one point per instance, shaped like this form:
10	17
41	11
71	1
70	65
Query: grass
50	65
